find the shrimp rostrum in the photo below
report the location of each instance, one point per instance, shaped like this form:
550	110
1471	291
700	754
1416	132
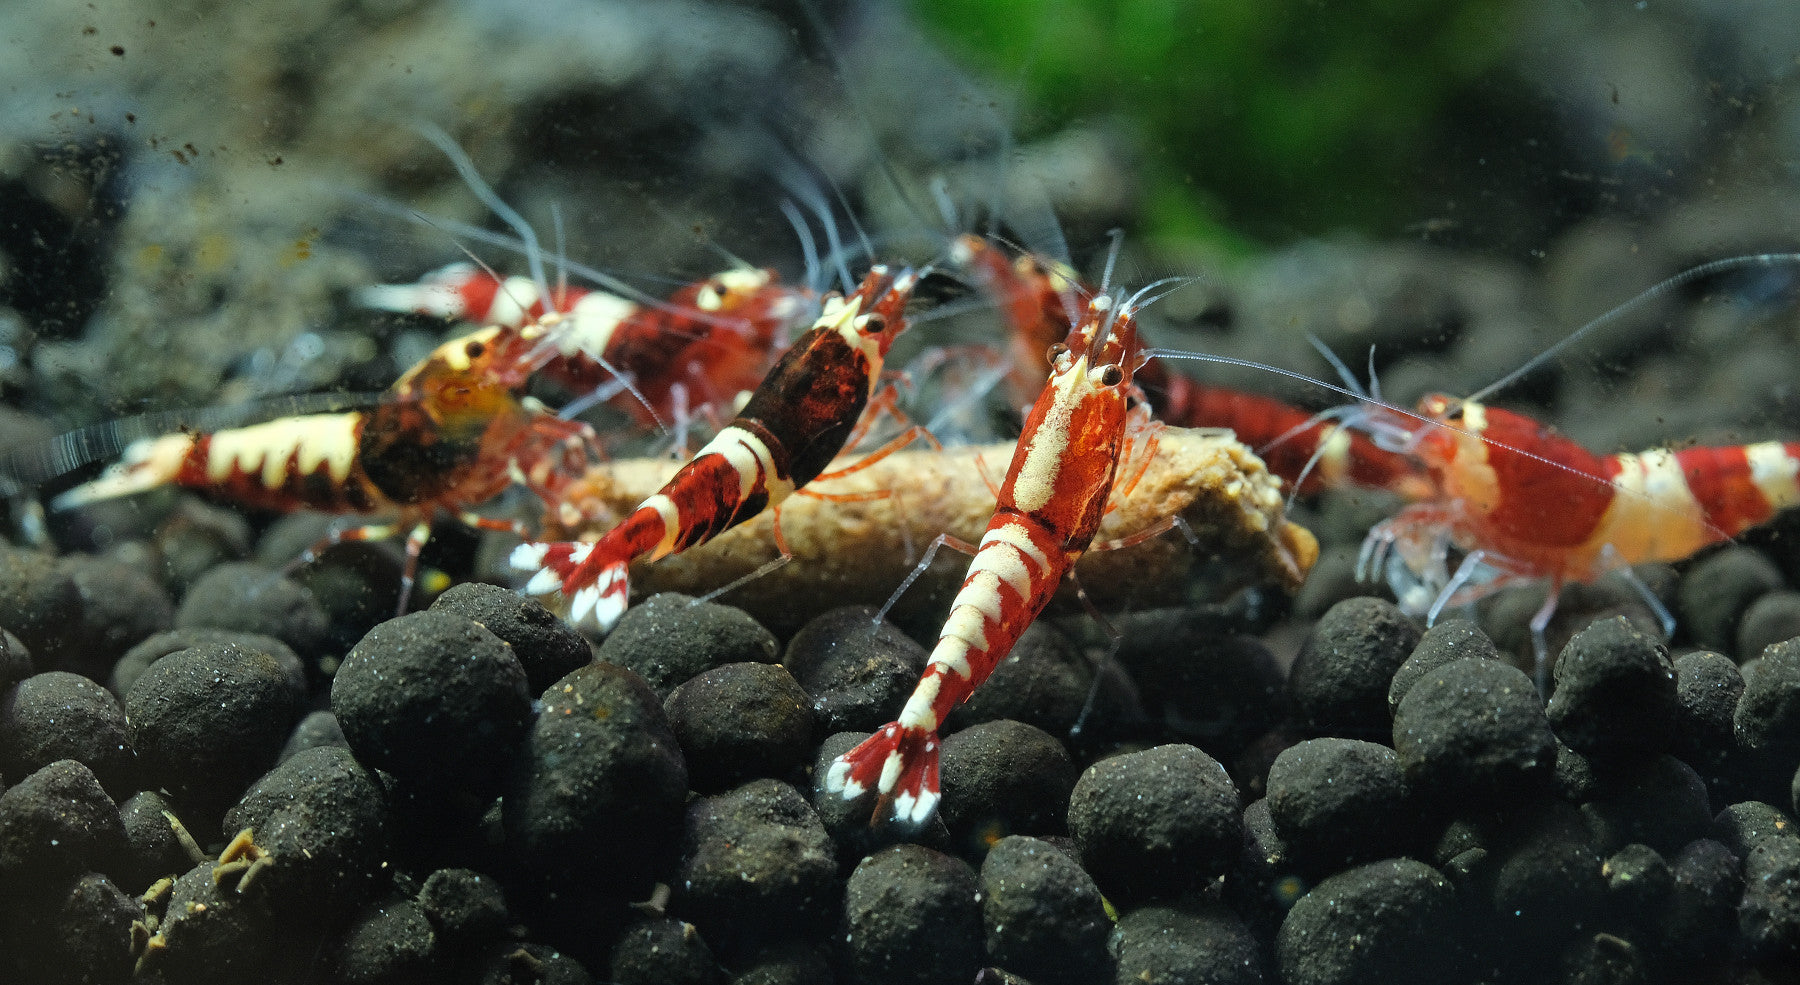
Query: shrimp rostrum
1056	490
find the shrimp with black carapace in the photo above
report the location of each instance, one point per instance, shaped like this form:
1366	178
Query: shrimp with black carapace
1056	490
693	354
802	415
451	433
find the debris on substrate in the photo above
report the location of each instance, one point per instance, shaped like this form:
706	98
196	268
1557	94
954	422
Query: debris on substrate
846	550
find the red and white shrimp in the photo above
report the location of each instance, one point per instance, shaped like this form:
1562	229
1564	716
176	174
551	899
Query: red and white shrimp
1524	503
694	354
451	433
802	415
1056	490
1040	298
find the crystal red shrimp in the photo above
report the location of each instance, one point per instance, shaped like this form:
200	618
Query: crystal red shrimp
450	434
1038	298
1524	503
1049	508
800	417
712	340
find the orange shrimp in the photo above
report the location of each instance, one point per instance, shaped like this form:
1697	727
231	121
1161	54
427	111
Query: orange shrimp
802	415
1057	486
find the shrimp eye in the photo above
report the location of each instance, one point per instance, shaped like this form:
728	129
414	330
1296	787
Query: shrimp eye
1055	353
475	350
874	324
1111	376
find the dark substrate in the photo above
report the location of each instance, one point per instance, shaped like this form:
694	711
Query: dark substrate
1402	807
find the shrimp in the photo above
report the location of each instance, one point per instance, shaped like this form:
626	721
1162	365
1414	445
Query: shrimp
1056	490
712	340
799	418
450	434
1038	297
1524	503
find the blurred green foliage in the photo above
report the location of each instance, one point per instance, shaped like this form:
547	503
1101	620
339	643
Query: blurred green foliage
1267	118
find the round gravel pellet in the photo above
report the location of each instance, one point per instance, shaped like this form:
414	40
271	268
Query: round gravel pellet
1766	721
669	638
786	964
322	819
138	659
212	935
79	934
512	964
757	867
547	647
1544	882
1701	917
1474	728
1744	825
1381	924
466	908
740	721
663	952
1769	620
434	699
1204	944
858	672
38	604
1445	643
58	822
318	728
253	599
1769	912
1658	800
1717	590
1043	915
1707	688
121	606
1638	883
1340	678
59	715
1614	692
1002	778
601	767
1336	802
1191	667
911	918
208	720
152	848
15	658
388	943
1156	824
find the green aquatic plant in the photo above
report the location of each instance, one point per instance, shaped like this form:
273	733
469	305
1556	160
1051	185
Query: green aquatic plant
1269	119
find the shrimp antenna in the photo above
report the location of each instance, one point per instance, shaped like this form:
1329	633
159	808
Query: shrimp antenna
36	463
809	247
1112	256
534	254
789	174
1649	294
